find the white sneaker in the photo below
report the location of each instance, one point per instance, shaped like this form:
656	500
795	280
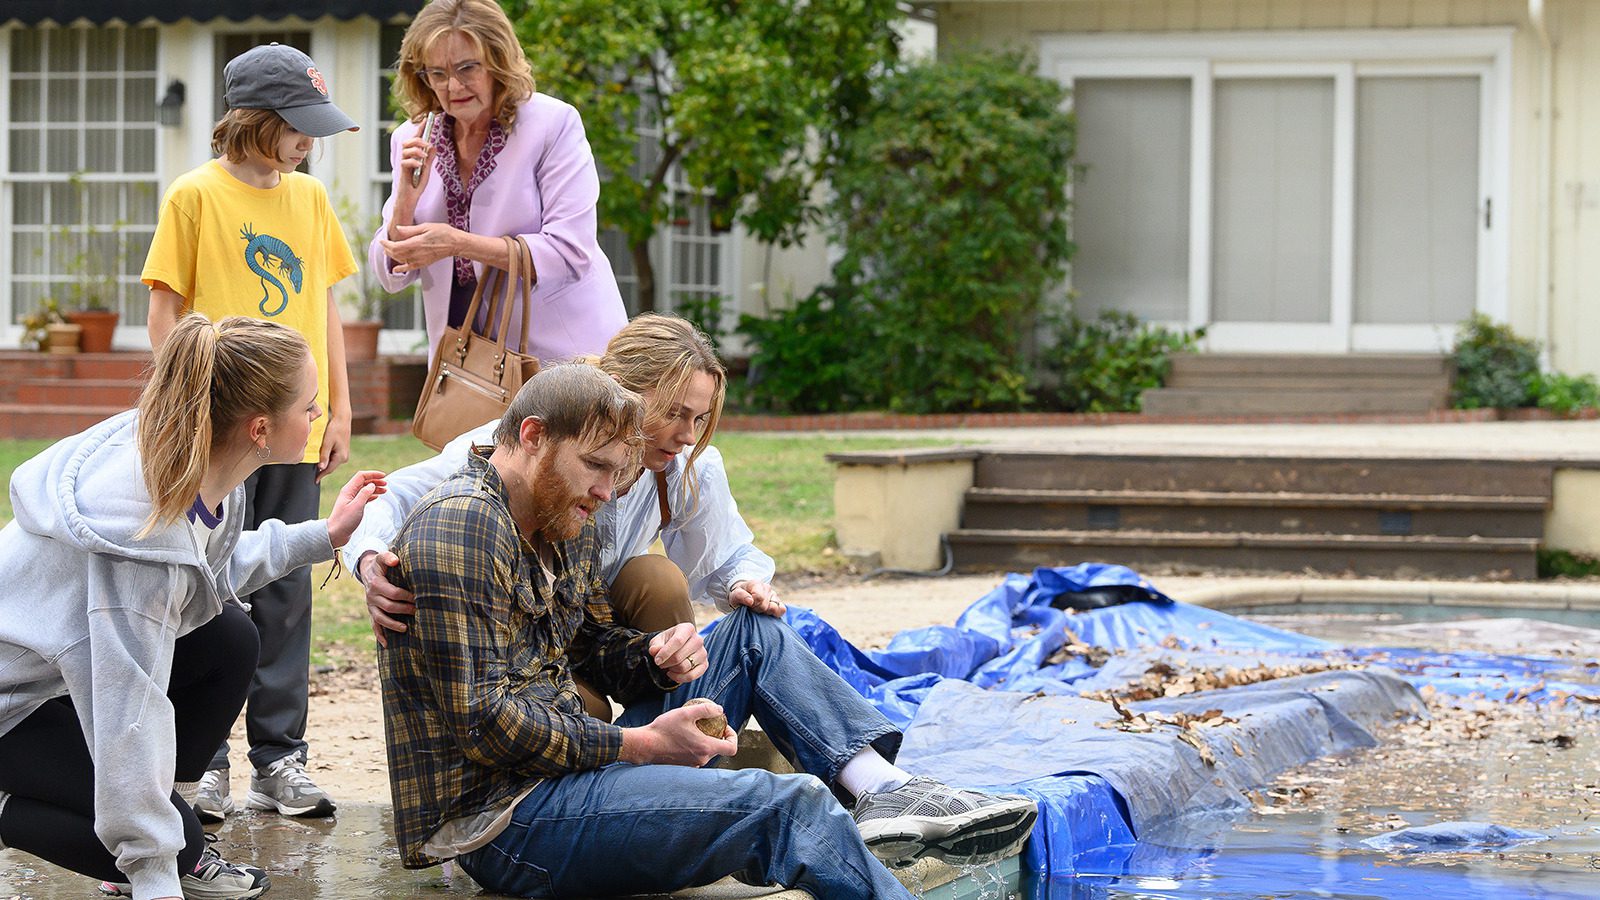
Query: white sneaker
284	786
213	879
214	802
924	817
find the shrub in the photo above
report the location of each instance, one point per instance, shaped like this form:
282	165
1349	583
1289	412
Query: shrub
1566	394
819	356
951	197
1107	363
1495	368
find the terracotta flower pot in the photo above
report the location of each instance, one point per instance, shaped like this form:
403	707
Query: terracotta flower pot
361	339
62	337
99	326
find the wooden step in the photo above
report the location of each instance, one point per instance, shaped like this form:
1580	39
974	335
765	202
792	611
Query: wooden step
1287	401
80	392
1364	555
1255	512
1262	473
30	420
1341	364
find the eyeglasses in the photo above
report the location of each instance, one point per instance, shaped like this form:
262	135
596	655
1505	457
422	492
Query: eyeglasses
463	72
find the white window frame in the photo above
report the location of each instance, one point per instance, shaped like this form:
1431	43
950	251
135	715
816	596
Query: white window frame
11	334
1345	56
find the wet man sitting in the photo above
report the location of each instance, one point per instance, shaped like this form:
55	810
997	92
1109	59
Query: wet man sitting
493	761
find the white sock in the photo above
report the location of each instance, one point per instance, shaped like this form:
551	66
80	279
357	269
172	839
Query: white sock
187	791
869	772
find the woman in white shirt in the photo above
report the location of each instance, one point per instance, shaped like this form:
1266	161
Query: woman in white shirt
681	496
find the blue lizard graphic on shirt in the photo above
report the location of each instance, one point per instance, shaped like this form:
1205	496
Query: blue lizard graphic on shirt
262	249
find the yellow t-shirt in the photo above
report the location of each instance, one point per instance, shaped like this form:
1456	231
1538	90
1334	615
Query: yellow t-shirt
231	249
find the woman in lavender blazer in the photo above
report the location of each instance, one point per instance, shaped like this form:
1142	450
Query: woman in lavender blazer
501	159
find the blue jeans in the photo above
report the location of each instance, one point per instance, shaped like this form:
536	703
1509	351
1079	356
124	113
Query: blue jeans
636	829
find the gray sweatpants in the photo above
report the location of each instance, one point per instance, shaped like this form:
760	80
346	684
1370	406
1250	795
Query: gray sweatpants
275	709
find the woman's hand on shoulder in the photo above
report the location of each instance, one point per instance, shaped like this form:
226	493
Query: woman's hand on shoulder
351	503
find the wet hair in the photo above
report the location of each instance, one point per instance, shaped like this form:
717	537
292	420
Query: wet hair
241	131
206	379
575	402
484	24
662	352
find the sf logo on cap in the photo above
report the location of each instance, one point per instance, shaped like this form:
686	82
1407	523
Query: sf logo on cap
316	80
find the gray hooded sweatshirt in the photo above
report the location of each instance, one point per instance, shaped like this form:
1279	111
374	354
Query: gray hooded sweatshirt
89	610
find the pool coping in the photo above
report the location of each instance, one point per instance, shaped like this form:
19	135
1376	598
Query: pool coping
1246	593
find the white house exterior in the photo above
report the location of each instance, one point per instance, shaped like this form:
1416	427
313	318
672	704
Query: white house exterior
1328	176
88	157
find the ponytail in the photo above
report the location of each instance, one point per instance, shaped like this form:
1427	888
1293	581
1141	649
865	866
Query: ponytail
206	379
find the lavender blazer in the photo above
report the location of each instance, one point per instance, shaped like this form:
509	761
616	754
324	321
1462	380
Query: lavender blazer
543	187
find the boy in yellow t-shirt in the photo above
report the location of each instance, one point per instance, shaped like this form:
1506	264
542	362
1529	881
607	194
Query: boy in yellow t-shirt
245	234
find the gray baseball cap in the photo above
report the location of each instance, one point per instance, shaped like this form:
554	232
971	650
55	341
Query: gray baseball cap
286	81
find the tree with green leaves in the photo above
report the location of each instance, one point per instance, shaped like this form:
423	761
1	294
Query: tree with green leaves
747	97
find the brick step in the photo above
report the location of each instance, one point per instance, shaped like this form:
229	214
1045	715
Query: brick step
1250	401
1351	364
1254	512
80	391
1268	473
30	420
1399	557
1304	381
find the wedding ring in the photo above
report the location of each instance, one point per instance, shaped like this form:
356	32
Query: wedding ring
691	662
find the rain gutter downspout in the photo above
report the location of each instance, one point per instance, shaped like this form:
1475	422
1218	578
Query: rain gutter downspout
1538	18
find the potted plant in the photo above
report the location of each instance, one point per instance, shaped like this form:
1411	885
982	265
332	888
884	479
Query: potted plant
94	285
99	325
46	329
361	332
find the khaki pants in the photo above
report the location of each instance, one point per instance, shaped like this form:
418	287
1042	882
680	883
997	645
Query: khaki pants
649	594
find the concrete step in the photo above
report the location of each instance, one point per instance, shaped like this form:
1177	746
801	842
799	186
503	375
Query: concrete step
1342	364
1400	557
80	392
1288	401
1255	512
1304	381
1264	473
29	420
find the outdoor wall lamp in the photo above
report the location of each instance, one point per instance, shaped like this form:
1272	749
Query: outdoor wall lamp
170	110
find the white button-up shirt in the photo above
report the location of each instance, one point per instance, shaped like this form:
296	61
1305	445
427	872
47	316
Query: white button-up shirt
707	537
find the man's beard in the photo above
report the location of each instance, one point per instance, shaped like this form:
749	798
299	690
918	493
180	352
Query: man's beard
553	504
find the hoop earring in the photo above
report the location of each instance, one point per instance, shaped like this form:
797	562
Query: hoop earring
263	452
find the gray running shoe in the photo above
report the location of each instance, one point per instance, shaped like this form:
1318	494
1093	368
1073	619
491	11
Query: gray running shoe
925	817
215	800
213	879
284	786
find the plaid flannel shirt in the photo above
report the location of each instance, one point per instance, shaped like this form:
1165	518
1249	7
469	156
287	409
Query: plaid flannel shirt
478	695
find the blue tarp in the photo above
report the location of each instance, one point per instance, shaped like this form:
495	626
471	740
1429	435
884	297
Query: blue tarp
991	702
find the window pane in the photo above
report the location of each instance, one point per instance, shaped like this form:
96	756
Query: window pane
1272	234
100	149
139	150
25	50
62	94
101	50
61	46
105	201
27	203
25	101
1416	244
100	99
140	51
61	151
139	100
24	150
142	201
28	253
66	204
1131	204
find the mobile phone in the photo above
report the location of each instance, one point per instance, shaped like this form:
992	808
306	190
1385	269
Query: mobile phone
427	135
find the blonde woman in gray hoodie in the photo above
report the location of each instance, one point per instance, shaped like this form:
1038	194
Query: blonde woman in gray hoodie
124	653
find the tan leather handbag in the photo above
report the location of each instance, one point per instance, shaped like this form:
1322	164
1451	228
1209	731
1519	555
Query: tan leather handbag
474	376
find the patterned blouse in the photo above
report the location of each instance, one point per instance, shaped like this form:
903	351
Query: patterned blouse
458	195
479	700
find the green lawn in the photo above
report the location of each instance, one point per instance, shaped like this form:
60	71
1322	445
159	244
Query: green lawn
783	485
